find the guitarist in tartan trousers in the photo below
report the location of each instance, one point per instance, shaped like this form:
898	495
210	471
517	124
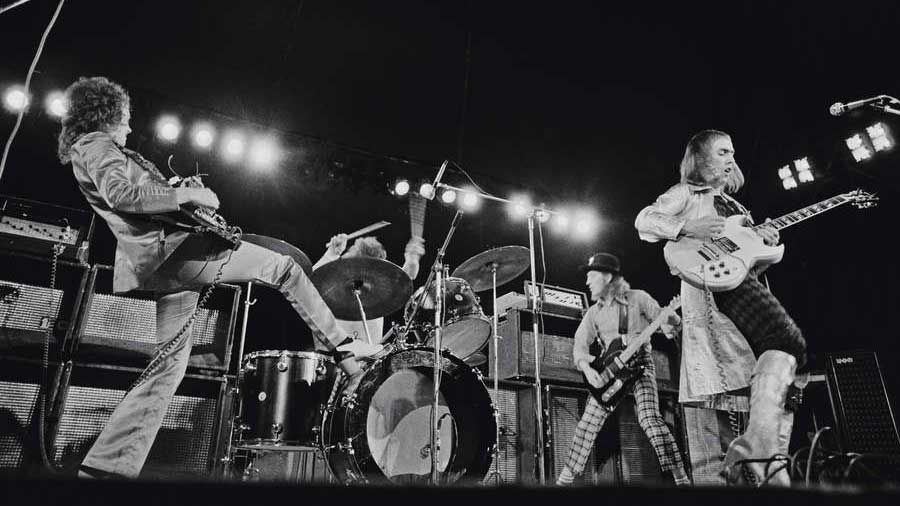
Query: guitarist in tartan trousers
126	190
619	310
725	330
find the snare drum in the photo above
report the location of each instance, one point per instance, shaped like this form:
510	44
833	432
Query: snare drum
378	429
466	329
282	396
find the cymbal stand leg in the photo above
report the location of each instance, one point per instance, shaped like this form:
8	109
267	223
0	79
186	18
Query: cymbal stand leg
362	312
538	391
496	472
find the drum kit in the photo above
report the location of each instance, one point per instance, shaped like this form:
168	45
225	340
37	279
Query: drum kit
376	427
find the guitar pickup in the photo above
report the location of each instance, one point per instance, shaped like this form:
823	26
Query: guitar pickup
704	255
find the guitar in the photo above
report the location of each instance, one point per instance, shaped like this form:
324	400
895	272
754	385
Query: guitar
202	220
613	365
722	263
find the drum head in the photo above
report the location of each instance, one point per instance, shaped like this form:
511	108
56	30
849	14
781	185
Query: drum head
385	416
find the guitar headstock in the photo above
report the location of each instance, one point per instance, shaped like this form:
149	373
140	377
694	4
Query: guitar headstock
861	199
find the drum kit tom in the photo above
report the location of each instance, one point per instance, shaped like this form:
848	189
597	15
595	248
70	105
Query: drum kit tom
375	427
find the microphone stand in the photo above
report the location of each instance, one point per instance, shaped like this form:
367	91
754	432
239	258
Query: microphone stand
538	389
436	274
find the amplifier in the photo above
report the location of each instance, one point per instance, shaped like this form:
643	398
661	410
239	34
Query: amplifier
35	227
516	356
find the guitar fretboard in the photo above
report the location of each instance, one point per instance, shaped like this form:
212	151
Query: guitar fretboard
804	213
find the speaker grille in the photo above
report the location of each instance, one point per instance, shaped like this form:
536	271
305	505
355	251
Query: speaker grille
861	404
566	408
181	447
507	464
15	409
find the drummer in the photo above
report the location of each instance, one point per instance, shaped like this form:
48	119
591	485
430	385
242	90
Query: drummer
369	246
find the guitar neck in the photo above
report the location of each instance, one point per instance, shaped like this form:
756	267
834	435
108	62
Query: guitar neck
644	337
804	213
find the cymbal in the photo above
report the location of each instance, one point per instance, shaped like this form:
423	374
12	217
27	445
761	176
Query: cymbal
283	247
475	359
383	287
478	270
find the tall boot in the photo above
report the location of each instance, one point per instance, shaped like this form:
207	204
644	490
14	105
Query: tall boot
769	428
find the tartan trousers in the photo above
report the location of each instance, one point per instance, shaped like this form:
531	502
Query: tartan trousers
646	401
762	319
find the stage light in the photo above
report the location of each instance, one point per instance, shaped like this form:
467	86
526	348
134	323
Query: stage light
785	172
15	99
560	222
805	176
448	197
802	164
203	135
879	136
168	128
426	190
858	148
470	201
519	206
401	187
789	183
233	146
55	103
264	153
585	225
542	215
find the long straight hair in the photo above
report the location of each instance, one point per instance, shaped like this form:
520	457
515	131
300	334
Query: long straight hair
696	157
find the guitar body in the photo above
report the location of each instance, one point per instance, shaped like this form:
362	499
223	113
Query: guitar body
721	264
610	370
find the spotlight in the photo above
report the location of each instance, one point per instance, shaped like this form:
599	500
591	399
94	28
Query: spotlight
789	183
401	187
470	201
560	222
858	148
203	135
802	164
263	153
519	206
585	225
542	215
879	136
168	128
233	146
15	99
55	103
426	190
784	172
448	197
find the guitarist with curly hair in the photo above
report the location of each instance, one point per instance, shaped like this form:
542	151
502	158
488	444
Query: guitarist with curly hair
618	313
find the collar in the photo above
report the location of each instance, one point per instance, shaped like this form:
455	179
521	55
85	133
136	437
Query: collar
621	299
701	188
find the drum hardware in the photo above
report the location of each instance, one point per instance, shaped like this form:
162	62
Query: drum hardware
510	262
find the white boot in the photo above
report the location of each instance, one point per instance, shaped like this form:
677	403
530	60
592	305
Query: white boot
769	428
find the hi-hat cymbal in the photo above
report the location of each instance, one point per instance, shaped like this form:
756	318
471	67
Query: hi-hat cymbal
283	247
510	261
383	287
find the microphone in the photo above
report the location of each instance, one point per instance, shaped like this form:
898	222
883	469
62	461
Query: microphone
837	108
437	179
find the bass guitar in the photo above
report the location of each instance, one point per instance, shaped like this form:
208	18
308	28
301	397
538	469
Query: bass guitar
722	263
202	220
616	375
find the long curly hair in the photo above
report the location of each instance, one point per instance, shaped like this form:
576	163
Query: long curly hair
696	156
95	104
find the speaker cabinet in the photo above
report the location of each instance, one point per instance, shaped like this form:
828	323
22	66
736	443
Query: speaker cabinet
29	306
189	443
121	329
622	454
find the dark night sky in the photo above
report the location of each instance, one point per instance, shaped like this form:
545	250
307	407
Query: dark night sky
580	102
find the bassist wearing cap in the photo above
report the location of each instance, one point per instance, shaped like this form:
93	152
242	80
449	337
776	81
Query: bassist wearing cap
616	360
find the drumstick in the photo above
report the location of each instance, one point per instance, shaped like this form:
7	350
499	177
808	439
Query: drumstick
416	214
366	230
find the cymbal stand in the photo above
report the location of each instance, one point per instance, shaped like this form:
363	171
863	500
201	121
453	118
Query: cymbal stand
538	389
494	320
362	312
228	459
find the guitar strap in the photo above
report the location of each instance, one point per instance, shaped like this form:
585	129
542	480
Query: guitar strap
623	321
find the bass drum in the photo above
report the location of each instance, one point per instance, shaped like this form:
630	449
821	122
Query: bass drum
378	430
